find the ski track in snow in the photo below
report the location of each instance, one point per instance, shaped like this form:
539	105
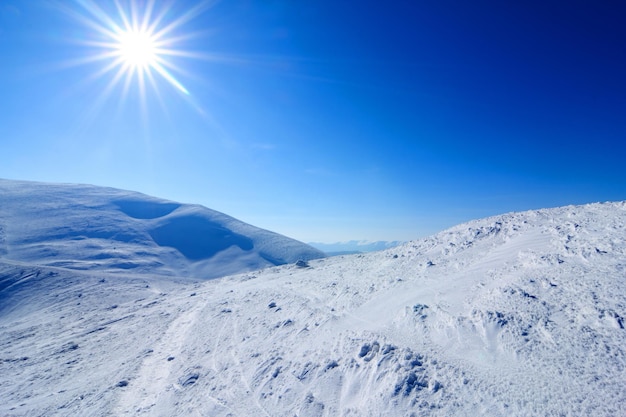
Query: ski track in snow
516	315
152	381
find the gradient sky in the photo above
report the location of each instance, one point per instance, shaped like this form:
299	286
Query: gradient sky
330	120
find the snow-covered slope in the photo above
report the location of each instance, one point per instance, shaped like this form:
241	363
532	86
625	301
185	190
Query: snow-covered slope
87	227
516	315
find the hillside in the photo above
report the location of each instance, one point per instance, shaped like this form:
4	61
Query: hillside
96	228
515	315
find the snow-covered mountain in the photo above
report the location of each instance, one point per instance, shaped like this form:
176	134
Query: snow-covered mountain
96	228
515	315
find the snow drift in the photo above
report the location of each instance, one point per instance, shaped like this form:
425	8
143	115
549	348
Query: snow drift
96	228
516	315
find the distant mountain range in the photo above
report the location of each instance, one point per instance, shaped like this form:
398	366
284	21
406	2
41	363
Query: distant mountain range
354	246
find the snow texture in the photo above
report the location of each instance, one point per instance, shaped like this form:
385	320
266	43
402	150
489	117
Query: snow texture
516	315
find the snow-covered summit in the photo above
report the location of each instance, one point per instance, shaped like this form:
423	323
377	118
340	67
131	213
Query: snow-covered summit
88	227
516	315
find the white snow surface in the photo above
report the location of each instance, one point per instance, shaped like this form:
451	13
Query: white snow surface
96	228
515	315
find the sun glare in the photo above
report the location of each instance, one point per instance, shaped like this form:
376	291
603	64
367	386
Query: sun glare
136	41
137	49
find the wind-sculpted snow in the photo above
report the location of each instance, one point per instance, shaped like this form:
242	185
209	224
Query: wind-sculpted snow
142	209
516	315
197	237
95	228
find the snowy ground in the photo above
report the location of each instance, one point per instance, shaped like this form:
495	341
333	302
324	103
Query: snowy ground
517	315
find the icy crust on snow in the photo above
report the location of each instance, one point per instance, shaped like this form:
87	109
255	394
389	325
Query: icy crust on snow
87	227
515	315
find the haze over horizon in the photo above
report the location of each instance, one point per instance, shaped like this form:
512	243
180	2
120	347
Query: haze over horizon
323	121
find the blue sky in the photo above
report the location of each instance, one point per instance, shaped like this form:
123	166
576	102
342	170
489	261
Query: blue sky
326	120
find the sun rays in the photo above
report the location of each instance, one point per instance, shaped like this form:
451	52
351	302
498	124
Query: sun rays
136	42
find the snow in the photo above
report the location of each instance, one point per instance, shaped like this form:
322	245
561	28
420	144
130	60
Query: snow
515	315
95	228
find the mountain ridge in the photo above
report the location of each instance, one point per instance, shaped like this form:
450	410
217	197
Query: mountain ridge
354	246
520	314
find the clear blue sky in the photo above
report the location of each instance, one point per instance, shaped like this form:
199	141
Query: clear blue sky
328	120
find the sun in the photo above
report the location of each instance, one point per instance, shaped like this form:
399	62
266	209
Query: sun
138	49
137	42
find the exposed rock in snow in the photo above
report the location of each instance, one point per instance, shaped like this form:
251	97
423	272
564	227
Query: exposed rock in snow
516	315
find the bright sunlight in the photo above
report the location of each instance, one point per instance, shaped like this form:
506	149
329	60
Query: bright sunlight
137	41
137	49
